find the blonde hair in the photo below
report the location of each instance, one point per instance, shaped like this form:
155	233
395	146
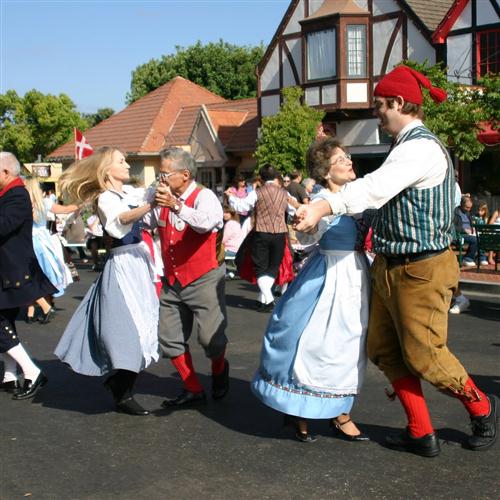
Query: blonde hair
86	179
36	196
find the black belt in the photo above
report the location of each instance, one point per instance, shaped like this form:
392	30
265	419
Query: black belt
399	260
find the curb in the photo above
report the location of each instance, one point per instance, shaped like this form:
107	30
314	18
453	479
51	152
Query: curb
480	286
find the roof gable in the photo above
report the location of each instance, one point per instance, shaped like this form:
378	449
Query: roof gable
142	126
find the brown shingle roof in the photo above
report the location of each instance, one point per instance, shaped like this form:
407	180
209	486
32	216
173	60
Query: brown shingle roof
430	12
242	137
235	123
142	126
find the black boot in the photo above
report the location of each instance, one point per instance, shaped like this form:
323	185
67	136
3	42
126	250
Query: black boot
121	384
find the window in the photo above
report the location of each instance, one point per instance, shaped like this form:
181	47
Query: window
356	51
488	52
321	60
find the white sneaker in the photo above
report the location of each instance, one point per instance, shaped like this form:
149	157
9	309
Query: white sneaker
461	304
469	263
483	263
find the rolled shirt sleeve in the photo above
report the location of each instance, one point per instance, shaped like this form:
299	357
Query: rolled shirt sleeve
112	204
419	163
206	215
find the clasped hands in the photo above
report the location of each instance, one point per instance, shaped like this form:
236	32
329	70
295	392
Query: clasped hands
307	217
164	197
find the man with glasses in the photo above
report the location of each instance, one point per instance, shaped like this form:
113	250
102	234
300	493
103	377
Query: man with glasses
414	273
193	294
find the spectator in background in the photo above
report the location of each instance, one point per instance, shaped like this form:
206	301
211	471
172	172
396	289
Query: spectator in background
296	189
239	190
463	225
233	233
309	186
95	241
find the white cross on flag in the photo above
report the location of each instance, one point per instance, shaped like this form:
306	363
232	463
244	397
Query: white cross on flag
82	147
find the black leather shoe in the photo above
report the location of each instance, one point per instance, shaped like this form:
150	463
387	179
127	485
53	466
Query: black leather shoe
265	308
46	317
11	386
131	407
30	388
484	429
294	423
220	383
185	398
339	433
30	320
426	446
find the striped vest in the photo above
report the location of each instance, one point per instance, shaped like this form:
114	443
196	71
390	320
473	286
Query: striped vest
270	209
417	220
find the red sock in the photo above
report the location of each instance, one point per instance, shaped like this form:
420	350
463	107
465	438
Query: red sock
474	400
184	365
409	392
218	363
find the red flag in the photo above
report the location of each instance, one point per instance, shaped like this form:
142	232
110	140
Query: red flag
82	147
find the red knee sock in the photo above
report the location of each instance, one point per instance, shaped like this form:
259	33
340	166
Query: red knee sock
474	400
218	364
409	392
184	365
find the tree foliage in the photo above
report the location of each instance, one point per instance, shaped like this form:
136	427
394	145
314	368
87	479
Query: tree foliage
100	115
457	120
36	124
286	136
225	69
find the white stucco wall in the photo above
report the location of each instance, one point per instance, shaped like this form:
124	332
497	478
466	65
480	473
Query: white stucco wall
270	105
293	25
270	76
358	132
486	13
419	49
460	58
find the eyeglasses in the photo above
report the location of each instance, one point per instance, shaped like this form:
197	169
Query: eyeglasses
163	176
286	181
342	159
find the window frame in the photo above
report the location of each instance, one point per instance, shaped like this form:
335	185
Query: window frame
489	51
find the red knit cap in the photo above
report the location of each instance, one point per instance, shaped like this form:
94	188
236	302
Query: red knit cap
407	83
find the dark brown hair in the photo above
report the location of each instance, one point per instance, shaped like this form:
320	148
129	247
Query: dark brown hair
318	158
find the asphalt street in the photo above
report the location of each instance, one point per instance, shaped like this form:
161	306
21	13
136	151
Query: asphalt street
68	443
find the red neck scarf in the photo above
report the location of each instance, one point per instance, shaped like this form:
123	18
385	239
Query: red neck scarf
16	182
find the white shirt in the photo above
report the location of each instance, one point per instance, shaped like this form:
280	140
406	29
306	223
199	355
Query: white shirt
204	216
248	203
113	203
419	163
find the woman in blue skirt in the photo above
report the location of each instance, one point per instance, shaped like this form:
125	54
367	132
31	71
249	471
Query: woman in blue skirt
313	357
114	329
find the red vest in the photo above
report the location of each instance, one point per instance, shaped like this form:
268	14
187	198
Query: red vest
187	255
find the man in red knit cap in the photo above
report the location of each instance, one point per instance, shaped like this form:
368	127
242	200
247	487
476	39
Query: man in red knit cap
414	273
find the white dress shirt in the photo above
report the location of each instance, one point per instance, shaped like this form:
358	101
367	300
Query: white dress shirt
419	163
248	203
206	214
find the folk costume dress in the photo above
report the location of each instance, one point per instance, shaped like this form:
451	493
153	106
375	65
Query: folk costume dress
313	358
49	253
115	326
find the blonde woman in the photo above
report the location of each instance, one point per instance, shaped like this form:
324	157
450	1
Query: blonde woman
48	250
115	327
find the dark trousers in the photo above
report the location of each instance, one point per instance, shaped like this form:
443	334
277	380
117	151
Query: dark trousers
267	253
8	334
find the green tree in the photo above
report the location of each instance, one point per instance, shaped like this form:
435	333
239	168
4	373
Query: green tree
286	136
36	124
100	115
457	120
225	69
